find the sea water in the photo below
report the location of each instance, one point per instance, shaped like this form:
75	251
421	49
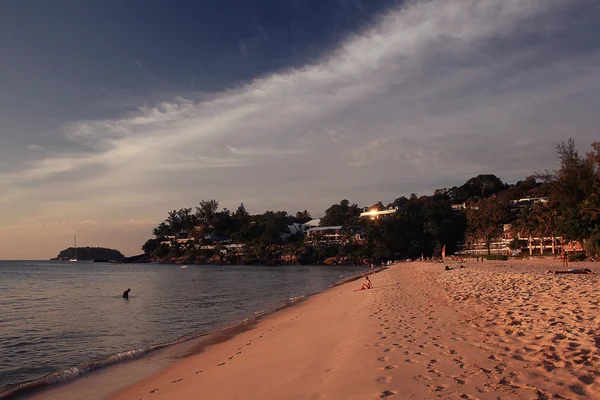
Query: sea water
67	319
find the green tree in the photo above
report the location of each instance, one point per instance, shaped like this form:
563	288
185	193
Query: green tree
592	245
151	245
206	213
524	226
338	214
479	187
302	217
241	215
546	214
569	187
177	221
485	219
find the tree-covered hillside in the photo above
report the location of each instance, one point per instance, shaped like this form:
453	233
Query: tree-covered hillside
90	253
563	202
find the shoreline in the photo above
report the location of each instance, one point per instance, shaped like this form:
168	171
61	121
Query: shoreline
199	340
246	336
482	332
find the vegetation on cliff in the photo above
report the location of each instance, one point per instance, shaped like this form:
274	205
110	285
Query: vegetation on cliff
90	253
421	225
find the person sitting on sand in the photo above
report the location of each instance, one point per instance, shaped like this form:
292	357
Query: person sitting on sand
126	294
581	271
366	285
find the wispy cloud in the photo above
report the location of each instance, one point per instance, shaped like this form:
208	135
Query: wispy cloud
434	91
256	151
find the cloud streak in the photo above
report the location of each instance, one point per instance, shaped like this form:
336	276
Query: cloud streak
433	93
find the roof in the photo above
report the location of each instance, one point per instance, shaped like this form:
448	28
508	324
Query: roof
325	228
313	222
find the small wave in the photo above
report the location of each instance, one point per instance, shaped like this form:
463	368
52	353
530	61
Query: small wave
295	299
19	390
71	373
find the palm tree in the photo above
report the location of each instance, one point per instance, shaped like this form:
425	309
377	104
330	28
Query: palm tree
540	229
525	226
590	209
545	215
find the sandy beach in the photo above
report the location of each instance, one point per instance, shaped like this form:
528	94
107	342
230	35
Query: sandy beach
499	330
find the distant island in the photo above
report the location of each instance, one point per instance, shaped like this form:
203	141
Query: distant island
90	253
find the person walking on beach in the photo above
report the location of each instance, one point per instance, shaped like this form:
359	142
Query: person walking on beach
126	294
565	258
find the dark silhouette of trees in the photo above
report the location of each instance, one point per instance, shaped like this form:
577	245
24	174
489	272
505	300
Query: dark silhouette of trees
177	221
206	214
339	214
302	217
420	225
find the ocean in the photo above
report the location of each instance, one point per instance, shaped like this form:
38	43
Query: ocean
60	320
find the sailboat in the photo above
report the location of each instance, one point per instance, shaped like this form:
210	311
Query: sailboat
74	259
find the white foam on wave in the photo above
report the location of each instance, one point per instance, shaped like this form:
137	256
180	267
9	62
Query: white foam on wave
69	374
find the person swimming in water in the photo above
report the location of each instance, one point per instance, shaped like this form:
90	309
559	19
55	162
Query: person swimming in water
126	294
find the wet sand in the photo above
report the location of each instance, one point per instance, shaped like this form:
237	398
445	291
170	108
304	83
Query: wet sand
500	330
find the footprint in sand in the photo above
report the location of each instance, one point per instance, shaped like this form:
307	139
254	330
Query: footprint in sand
388	367
178	380
438	388
383	358
155	390
410	360
199	372
587	379
220	365
384	379
387	393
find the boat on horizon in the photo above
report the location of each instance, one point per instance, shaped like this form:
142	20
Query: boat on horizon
75	245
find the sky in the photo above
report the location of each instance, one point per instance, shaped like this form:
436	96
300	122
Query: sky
114	112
